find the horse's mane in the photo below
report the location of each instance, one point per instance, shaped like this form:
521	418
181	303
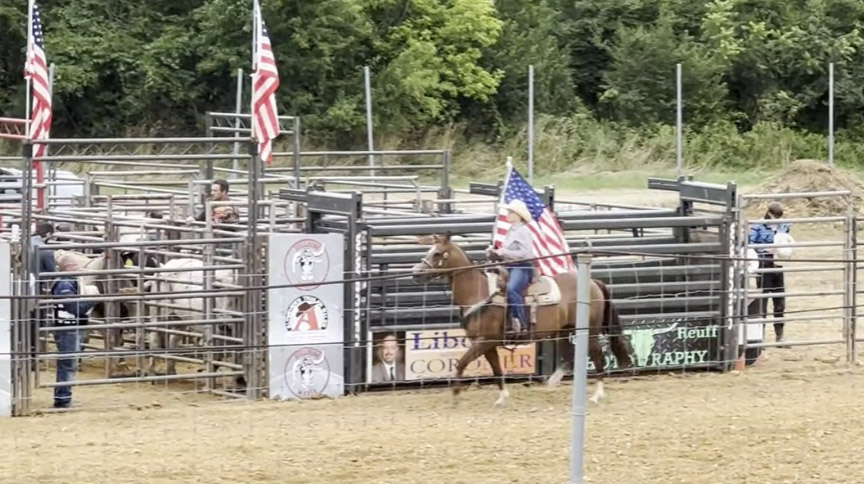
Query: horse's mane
461	252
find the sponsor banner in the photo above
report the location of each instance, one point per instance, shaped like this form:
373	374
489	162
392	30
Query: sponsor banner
5	332
300	372
307	316
312	313
661	344
434	354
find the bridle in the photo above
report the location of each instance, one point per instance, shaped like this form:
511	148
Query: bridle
446	272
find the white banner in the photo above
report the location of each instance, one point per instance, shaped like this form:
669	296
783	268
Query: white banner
305	324
5	331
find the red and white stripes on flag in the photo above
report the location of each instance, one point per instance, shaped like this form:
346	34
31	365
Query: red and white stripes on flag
36	70
265	81
548	239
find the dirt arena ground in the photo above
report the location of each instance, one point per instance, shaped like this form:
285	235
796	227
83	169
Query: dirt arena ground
794	417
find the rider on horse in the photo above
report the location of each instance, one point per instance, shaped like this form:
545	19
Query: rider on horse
516	249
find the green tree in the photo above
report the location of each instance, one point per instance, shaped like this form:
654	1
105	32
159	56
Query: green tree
640	84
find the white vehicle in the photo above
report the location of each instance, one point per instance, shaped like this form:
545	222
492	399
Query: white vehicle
61	191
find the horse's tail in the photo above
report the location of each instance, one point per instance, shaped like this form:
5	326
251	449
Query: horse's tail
614	331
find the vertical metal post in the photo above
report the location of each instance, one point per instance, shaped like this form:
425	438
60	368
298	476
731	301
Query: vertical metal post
238	109
853	279
252	339
367	85
207	166
580	368
27	97
296	152
531	124
27	339
209	252
141	309
743	323
831	113
445	191
849	268
112	311
679	149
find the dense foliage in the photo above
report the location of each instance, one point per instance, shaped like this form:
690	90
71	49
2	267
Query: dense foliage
154	67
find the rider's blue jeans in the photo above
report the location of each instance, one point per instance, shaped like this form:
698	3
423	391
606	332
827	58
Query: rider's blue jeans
520	277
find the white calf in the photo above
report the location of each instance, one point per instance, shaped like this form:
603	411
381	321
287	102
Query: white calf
189	308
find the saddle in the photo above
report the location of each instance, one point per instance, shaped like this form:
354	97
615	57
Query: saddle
542	291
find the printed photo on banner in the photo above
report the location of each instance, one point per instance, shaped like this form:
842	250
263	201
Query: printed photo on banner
388	360
434	354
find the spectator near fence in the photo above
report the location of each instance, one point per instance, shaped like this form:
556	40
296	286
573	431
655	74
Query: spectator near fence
67	314
771	282
219	214
42	261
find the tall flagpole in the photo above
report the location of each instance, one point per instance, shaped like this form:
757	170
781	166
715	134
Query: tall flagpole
26	59
256	11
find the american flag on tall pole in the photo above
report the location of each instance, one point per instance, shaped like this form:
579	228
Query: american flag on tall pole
36	71
265	81
546	234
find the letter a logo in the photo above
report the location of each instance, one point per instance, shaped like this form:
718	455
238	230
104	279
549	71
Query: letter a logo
306	313
307	320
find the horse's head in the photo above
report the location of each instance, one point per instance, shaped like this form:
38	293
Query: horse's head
443	255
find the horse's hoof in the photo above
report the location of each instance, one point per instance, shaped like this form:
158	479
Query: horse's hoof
555	379
595	400
502	398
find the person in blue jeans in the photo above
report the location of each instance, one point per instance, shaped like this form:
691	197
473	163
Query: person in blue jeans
72	314
517	249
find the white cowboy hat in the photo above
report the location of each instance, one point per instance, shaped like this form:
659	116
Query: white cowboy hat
783	239
518	207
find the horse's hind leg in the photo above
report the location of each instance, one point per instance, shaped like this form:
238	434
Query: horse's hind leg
495	362
566	354
477	348
595	350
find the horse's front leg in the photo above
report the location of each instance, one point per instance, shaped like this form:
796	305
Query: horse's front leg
477	348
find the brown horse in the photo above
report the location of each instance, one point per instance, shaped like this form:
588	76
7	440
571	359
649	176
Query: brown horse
484	322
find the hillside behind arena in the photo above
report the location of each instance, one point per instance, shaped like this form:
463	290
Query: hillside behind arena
453	74
808	176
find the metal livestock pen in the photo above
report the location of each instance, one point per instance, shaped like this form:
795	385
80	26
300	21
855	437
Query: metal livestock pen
673	292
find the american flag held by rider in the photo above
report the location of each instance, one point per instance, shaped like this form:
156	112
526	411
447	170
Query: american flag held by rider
546	234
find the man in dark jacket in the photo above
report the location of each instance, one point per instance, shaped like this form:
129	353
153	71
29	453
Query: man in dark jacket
69	317
221	214
43	260
770	282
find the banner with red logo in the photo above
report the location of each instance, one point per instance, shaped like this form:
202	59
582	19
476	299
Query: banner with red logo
305	331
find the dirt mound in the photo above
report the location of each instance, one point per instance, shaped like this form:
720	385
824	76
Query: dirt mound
810	176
